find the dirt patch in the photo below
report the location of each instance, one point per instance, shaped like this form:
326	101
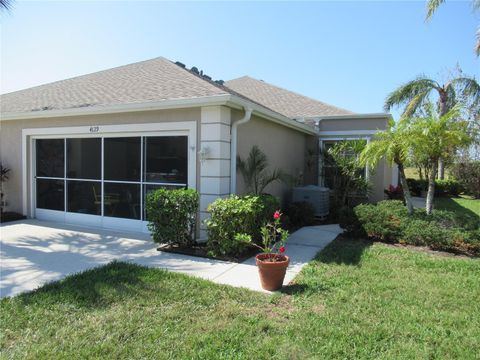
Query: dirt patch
11	216
200	250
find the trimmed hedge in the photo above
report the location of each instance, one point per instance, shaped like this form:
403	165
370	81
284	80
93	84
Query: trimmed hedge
237	215
468	174
388	221
447	187
172	215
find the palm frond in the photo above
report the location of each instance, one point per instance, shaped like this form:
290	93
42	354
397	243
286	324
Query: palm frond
6	5
477	44
417	88
432	6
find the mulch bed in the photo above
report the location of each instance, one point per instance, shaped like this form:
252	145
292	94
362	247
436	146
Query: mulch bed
200	250
11	216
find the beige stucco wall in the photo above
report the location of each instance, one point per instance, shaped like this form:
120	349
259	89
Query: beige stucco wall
11	139
352	124
284	147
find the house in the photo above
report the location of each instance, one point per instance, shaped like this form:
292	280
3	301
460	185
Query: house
86	150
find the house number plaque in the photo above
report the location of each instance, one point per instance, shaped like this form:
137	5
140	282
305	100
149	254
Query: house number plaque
94	129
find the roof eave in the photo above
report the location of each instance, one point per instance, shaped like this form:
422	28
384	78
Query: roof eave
227	99
238	102
120	108
352	116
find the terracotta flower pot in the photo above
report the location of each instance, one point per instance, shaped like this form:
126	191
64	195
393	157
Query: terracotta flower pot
272	273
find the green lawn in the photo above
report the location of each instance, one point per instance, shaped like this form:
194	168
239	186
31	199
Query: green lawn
463	205
355	301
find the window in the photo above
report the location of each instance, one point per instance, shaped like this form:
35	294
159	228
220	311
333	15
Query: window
330	171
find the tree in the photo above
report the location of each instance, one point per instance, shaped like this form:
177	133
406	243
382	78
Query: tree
392	145
416	93
433	137
5	4
254	171
432	6
348	177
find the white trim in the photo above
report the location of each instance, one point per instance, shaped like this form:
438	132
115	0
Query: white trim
183	128
273	116
120	108
348	132
227	99
352	116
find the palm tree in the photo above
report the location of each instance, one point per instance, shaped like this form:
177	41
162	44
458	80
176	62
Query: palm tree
416	93
432	6
392	145
5	4
254	171
433	137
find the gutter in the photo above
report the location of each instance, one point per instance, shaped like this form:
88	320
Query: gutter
226	99
119	108
233	148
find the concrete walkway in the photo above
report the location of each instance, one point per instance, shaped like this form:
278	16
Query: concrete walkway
33	253
418	202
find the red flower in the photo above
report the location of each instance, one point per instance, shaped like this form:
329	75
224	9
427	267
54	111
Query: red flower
276	215
282	249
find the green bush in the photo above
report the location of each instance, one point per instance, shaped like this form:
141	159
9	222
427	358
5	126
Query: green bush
382	222
389	221
448	187
237	215
300	213
172	215
416	186
467	173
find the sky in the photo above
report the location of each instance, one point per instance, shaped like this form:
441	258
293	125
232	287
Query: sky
350	54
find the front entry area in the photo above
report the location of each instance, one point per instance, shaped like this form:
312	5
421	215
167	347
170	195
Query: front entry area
102	180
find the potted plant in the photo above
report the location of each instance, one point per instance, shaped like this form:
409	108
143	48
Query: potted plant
272	263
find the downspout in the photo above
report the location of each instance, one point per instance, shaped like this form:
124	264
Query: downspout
233	149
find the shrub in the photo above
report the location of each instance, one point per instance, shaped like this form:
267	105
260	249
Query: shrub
416	186
172	215
448	187
389	221
300	213
237	215
468	174
382	222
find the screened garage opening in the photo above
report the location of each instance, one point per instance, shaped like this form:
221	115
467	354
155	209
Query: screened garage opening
103	181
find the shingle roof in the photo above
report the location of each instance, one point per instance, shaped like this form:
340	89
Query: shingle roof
147	81
283	101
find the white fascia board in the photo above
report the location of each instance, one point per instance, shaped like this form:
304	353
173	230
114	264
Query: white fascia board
352	116
121	108
272	115
348	132
227	99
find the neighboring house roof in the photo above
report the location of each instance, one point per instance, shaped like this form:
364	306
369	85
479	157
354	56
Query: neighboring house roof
142	82
283	101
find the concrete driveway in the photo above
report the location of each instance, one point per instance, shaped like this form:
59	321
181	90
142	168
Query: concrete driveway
34	252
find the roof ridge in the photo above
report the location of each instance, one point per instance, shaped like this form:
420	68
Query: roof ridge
291	91
222	86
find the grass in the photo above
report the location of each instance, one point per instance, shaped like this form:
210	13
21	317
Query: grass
356	300
463	205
